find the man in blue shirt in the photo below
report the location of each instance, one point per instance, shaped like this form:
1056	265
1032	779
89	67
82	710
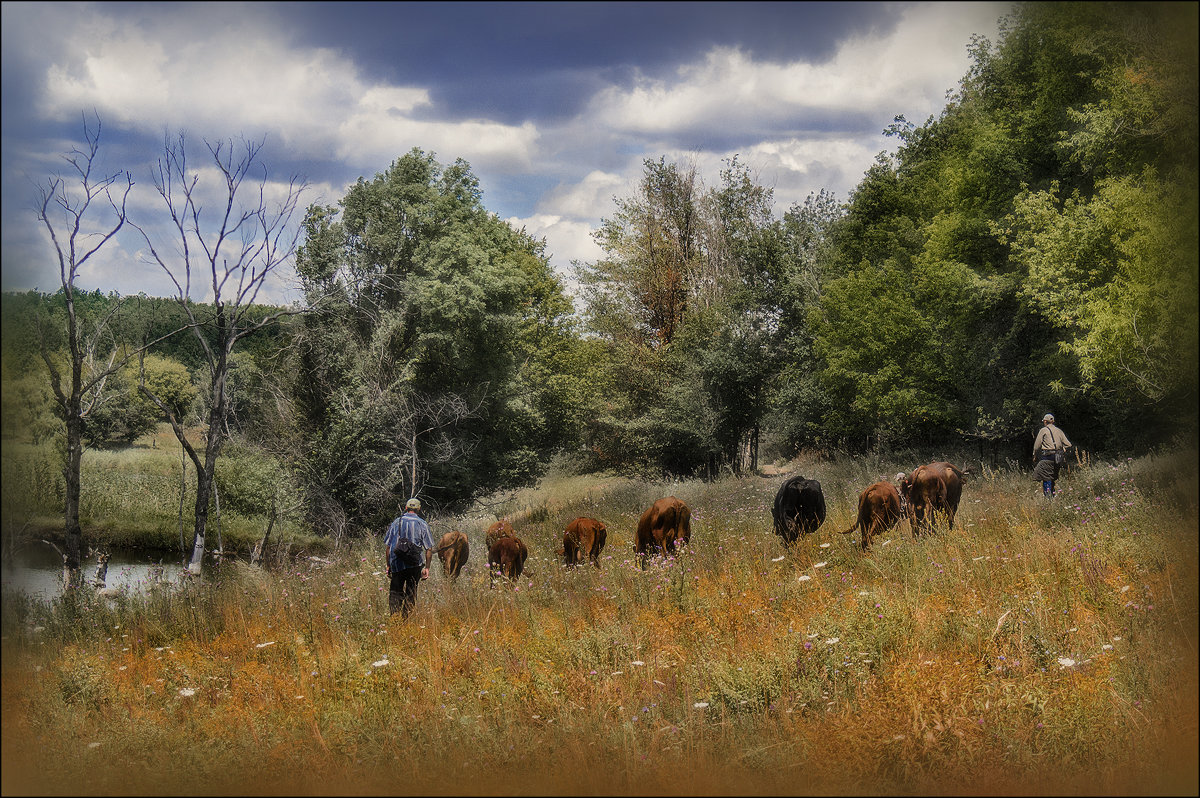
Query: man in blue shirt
408	547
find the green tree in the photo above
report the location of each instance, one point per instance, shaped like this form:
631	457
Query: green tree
431	361
122	414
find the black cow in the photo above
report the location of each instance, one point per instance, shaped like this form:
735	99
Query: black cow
799	508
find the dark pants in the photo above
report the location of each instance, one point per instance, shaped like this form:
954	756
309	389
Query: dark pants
402	594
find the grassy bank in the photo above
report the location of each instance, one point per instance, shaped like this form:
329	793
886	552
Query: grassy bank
1037	647
134	497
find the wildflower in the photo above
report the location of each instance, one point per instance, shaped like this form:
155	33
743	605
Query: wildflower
264	645
616	673
832	640
1066	662
778	559
93	745
379	663
820	564
637	662
1107	646
824	545
187	692
700	705
803	578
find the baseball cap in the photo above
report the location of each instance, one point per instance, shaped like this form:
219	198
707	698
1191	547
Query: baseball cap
412	504
1048	417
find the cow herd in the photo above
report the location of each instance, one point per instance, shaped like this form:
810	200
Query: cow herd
799	509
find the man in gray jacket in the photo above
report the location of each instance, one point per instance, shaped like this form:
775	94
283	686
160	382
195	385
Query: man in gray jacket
1049	447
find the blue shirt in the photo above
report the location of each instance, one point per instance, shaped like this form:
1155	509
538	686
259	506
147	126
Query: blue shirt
409	526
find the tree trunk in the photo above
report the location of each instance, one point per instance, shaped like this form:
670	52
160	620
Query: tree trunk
260	551
71	474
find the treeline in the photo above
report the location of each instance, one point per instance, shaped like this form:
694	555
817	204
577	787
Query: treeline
1032	248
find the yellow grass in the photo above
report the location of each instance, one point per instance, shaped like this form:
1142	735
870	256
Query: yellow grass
1035	648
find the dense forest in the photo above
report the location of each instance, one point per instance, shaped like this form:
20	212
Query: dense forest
1031	248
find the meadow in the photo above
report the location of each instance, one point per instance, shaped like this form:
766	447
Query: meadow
1044	647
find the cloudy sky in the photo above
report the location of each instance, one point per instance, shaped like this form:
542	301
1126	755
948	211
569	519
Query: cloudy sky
554	105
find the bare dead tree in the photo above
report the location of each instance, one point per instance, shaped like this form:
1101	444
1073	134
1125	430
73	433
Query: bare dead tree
231	253
81	220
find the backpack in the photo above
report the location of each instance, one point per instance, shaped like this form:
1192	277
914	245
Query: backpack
1060	451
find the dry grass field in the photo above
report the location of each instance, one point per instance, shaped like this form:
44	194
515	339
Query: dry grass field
1036	648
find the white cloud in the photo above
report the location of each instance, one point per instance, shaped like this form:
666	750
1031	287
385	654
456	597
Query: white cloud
908	70
590	198
567	239
372	137
251	81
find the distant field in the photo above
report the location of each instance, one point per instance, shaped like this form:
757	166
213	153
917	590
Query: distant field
131	498
1044	648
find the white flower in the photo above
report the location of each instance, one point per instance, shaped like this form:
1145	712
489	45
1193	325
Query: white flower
1117	639
864	593
820	564
264	645
1125	589
824	545
1107	646
803	578
93	745
637	662
187	692
779	558
379	663
832	640
700	704
1066	662
616	673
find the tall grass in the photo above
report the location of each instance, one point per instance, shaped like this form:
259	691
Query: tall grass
131	497
1038	646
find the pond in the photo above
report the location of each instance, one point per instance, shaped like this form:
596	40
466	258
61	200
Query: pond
36	570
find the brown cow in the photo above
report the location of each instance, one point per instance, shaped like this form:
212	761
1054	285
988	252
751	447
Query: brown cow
452	550
929	489
878	511
666	524
500	529
583	537
506	557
